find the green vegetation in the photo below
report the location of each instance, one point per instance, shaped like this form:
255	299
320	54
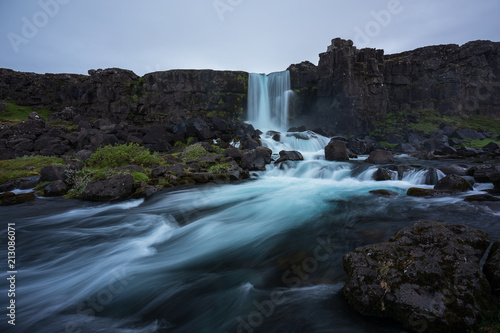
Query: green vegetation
386	144
140	176
25	166
480	143
194	152
121	155
14	114
220	168
490	321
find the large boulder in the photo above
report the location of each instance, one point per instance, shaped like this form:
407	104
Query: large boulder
427	277
52	173
466	133
336	151
492	267
453	183
380	157
286	155
256	159
115	188
56	188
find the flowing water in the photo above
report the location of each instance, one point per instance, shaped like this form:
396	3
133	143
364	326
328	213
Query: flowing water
264	255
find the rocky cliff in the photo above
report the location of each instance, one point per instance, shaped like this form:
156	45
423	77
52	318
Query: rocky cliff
349	92
351	88
118	94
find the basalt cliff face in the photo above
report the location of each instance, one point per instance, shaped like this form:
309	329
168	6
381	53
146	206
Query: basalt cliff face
345	93
119	94
351	88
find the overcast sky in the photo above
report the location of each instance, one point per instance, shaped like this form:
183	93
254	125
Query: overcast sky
73	36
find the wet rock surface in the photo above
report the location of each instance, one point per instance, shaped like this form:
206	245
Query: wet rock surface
427	277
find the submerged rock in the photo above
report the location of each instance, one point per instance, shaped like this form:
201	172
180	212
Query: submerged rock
380	157
427	277
453	183
384	192
10	198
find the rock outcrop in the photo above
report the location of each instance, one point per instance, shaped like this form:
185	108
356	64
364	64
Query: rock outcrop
427	277
350	88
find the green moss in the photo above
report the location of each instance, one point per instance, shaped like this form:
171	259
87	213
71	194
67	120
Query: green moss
387	145
191	140
194	152
140	176
25	166
179	144
220	168
121	155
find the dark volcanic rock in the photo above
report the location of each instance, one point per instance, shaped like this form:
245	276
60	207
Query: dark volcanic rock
382	174
336	151
481	197
56	188
9	198
453	183
380	157
427	277
115	188
384	192
465	133
424	192
492	267
289	156
52	173
256	159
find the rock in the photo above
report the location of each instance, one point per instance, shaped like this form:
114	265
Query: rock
452	170
52	173
336	151
382	174
359	147
415	139
56	188
495	179
426	277
431	177
83	155
481	197
467	152
289	156
233	153
492	267
380	157
465	133
201	177
256	159
299	135
9	198
453	183
424	192
115	188
27	183
384	192
405	148
492	146
248	143
482	172
297	129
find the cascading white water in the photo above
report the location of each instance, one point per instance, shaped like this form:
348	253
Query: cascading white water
268	100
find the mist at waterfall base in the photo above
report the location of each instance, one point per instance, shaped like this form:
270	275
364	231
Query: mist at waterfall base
264	255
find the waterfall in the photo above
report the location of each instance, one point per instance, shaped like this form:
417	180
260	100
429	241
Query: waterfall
268	100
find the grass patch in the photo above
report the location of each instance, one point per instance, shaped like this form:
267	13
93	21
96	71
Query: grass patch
386	144
479	143
25	166
121	155
220	168
140	176
14	114
194	152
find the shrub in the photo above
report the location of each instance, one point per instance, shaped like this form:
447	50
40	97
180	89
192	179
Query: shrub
120	155
194	152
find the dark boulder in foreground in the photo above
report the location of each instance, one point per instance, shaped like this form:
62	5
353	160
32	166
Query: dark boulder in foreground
256	159
289	156
380	157
115	188
453	183
492	267
427	277
336	151
10	198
